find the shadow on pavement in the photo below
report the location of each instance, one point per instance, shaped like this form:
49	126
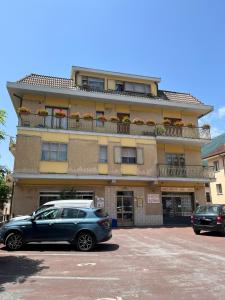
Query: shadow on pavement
45	247
212	233
16	269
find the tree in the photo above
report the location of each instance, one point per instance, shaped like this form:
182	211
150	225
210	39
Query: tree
4	187
2	122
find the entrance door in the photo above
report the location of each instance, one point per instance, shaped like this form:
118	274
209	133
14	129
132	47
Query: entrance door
125	208
177	208
122	127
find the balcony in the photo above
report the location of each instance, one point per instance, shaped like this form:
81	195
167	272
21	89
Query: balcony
160	131
200	172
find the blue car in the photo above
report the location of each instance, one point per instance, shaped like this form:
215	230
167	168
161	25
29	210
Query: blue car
84	227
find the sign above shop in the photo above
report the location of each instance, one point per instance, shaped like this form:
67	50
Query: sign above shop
153	198
177	189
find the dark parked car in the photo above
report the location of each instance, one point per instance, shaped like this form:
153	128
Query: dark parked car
83	227
209	218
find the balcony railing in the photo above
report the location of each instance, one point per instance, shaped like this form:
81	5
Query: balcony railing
186	171
52	122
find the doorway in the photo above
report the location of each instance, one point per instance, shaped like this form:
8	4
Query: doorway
125	208
177	208
123	127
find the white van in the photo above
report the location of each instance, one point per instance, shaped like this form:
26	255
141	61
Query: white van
79	203
70	202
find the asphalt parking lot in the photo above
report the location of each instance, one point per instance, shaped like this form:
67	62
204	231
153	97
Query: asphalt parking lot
148	263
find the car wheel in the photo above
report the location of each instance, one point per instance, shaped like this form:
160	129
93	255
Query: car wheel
197	231
14	241
85	241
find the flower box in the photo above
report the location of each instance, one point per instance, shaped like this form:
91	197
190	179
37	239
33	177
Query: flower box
75	116
126	120
190	125
88	117
206	126
114	119
102	118
42	112
179	123
138	122
23	111
167	122
60	114
150	123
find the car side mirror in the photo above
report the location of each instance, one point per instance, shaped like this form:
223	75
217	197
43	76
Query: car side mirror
32	218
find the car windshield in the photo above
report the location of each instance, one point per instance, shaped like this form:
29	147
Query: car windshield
207	210
42	208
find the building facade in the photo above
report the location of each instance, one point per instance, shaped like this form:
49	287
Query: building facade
112	137
216	159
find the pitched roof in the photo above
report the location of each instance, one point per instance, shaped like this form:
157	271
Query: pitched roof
178	96
58	82
217	151
51	81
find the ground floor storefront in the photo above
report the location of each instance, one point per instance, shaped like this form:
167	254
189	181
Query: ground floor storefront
127	203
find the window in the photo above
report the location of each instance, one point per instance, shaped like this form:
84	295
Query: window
54	151
207	184
103	155
72	213
208	198
119	86
53	122
98	122
175	159
49	196
216	165
48	215
219	189
93	83
137	88
129	155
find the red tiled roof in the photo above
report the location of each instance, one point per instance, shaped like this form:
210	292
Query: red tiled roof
51	81
57	82
217	151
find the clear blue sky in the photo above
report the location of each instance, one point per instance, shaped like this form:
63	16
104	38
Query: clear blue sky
183	42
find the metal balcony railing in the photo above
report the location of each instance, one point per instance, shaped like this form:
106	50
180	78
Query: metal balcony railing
52	122
200	172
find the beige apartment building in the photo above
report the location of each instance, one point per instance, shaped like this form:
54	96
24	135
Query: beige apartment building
216	159
112	137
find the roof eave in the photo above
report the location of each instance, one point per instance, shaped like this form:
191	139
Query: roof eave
116	74
14	87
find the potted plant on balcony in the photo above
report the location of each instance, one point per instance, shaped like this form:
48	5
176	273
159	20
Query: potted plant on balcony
114	119
190	125
150	123
88	117
137	121
60	113
102	118
160	130
126	120
75	116
23	110
42	112
206	126
166	122
179	123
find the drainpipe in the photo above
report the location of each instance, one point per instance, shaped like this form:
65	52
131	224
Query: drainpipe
21	99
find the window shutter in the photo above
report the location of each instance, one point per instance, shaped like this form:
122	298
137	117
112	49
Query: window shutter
117	155
140	156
